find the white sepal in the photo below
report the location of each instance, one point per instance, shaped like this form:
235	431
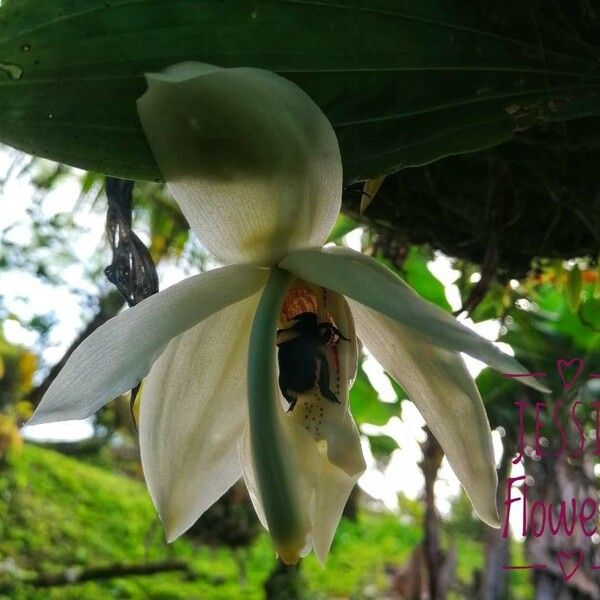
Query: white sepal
251	160
438	382
115	357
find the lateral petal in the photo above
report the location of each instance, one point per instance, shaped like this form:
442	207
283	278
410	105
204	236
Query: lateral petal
115	357
323	410
437	381
193	413
332	492
365	280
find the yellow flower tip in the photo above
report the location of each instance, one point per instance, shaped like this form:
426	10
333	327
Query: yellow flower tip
170	533
494	522
173	524
490	517
290	555
170	538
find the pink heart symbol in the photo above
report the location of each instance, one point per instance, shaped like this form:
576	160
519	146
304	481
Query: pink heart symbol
562	365
569	562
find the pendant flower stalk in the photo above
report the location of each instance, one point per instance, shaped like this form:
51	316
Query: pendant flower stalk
248	366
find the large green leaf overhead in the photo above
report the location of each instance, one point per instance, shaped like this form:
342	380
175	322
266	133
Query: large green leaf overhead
404	82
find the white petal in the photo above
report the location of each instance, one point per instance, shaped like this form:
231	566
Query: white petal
192	414
305	460
362	278
322	489
340	432
252	161
249	473
332	493
439	384
114	358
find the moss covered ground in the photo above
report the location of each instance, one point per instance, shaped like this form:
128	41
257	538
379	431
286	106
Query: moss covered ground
57	512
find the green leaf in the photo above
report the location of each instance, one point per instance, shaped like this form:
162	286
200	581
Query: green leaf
493	304
573	289
403	82
556	318
422	280
342	227
365	404
382	445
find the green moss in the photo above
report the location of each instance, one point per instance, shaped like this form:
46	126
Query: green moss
58	512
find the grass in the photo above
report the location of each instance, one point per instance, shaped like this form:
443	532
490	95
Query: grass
57	512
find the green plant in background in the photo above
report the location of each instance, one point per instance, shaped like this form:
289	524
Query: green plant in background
52	506
548	318
17	367
403	84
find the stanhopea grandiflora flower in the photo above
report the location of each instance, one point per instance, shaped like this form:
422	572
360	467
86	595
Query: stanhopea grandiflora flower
248	366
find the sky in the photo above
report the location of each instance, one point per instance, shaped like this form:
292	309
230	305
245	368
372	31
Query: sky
26	295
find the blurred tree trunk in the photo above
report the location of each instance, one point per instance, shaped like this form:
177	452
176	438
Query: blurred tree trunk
284	582
494	581
440	565
556	479
430	571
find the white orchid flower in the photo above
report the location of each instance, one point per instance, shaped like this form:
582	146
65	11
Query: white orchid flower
255	167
